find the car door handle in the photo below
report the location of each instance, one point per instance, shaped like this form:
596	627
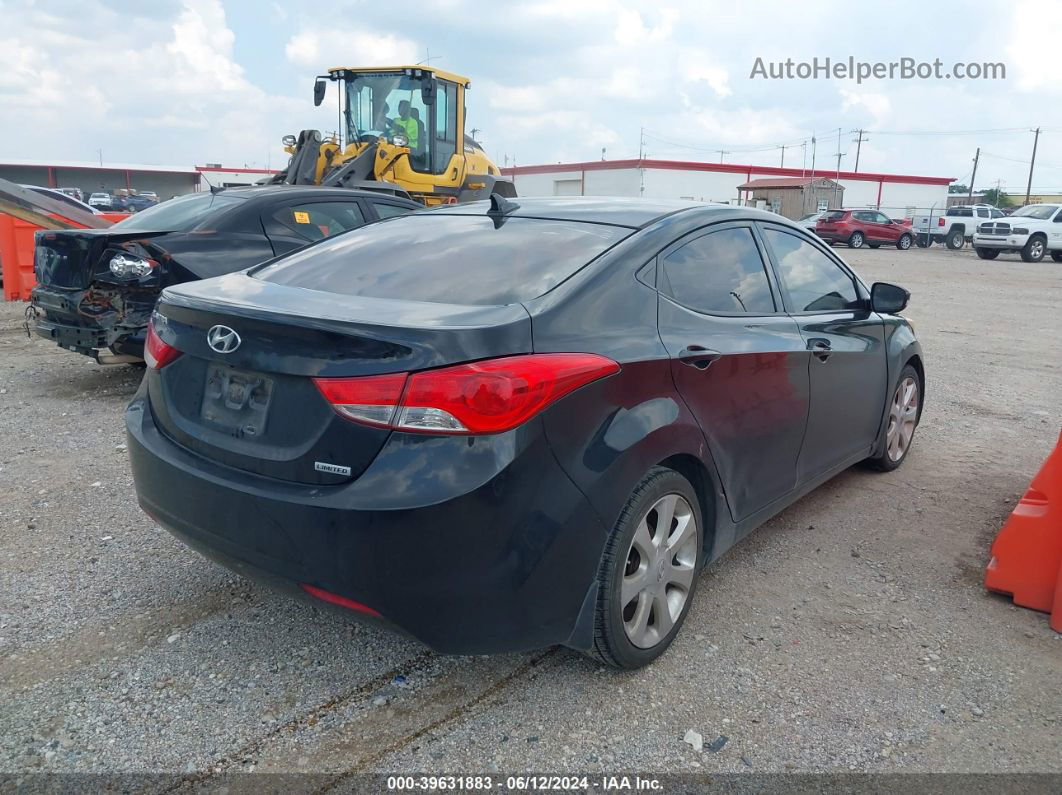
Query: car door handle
698	356
820	348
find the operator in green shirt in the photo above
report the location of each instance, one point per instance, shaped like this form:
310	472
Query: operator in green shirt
407	125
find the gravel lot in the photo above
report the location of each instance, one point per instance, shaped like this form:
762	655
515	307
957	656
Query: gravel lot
850	633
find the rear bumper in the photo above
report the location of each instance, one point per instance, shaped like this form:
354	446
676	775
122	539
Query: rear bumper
470	546
62	319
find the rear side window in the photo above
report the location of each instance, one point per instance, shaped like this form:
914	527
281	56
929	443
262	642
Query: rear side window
318	220
180	214
390	210
456	259
836	215
721	272
815	282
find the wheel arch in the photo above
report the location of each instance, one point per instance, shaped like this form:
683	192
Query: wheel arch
915	360
704	486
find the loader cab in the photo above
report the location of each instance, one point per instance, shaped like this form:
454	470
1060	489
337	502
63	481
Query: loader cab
408	106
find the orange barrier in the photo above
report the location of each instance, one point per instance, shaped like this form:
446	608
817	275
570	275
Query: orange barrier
16	253
1027	554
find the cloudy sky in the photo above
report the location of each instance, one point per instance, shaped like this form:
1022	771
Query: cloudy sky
196	81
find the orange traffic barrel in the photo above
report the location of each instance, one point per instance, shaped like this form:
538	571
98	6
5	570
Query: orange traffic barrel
1026	559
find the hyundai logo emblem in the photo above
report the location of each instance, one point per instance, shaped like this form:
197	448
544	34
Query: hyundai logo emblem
223	339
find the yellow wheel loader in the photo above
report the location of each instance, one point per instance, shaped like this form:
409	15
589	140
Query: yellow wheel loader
400	127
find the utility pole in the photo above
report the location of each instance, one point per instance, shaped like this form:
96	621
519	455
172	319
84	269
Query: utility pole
783	157
100	153
473	132
1028	187
973	177
858	141
641	145
721	153
814	147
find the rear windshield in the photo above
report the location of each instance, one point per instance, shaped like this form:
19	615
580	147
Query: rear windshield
178	215
449	259
960	212
835	215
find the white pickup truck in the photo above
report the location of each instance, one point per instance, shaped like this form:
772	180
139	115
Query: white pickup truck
1032	231
953	226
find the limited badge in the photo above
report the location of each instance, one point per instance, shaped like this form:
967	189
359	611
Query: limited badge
302	218
334	469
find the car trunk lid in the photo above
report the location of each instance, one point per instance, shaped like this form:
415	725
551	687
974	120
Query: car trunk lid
70	259
256	407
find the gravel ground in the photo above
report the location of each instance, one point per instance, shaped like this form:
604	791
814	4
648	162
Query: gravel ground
850	633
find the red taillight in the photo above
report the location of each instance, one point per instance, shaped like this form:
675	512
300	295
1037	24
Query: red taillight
940	222
157	354
336	599
478	398
371	400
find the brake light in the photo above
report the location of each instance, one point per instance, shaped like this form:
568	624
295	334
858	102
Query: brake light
940	222
371	400
485	397
157	354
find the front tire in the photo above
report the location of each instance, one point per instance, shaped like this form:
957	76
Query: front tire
856	240
987	253
904	242
648	572
1034	249
905	410
955	239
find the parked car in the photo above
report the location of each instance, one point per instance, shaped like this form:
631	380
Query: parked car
863	227
97	287
954	226
134	203
1032	231
102	201
74	193
149	194
64	198
809	221
506	425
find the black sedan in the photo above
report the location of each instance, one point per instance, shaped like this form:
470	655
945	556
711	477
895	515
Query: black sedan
500	427
97	287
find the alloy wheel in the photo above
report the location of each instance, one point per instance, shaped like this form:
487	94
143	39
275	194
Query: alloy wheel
903	417
659	571
905	242
1036	248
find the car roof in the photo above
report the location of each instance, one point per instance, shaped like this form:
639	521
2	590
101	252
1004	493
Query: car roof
618	211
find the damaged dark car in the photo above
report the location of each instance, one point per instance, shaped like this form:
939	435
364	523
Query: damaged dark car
96	288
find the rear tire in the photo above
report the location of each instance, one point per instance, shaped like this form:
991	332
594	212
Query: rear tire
987	253
1034	249
955	239
648	572
856	240
904	242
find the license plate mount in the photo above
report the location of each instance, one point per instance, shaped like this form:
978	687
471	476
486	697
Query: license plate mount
236	401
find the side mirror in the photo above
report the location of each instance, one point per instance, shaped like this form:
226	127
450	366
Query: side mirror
427	92
888	298
319	89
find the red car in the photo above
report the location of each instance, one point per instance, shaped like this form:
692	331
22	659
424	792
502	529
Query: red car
860	228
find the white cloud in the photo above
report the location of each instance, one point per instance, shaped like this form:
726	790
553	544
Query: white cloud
1034	22
324	47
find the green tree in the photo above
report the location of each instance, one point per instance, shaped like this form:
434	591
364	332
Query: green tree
958	189
997	197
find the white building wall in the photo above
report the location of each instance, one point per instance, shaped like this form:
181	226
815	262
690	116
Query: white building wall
897	198
702	186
